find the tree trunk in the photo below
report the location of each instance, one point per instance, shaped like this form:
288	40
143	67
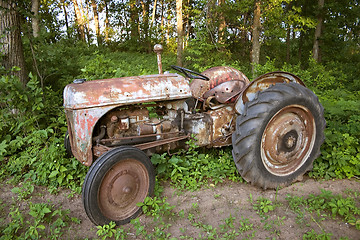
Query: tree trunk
168	24
188	28
134	20
35	18
210	19
244	33
316	46
288	34
222	26
107	22
153	13
255	52
145	25
86	23
162	21
79	20
96	20
179	27
66	17
301	44
11	47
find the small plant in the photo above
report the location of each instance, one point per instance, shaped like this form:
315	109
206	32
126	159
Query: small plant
312	235
156	206
23	191
297	205
273	225
106	231
110	230
36	221
245	225
263	205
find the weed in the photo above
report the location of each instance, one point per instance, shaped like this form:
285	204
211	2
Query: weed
230	222
154	206
23	191
181	213
217	196
262	206
245	225
297	204
335	204
195	206
193	168
106	231
312	235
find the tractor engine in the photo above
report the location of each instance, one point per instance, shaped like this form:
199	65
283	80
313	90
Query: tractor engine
144	125
162	127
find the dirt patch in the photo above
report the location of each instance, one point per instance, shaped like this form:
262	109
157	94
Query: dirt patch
213	208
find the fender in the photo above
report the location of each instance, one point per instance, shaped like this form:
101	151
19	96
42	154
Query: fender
260	84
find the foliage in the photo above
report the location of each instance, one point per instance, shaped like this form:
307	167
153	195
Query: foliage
153	206
341	152
312	235
193	168
35	221
32	131
326	202
263	205
106	231
59	63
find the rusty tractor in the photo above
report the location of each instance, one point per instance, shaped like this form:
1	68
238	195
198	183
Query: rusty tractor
274	124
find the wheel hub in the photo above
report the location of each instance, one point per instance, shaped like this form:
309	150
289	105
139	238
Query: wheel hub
288	140
123	186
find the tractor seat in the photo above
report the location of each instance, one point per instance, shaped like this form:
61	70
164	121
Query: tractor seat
224	85
226	92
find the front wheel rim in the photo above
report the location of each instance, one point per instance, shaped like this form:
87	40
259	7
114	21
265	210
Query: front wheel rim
288	140
123	186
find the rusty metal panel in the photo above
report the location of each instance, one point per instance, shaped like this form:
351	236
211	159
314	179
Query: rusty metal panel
223	125
81	124
200	125
127	90
261	83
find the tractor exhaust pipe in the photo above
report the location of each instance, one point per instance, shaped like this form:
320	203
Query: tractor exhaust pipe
158	48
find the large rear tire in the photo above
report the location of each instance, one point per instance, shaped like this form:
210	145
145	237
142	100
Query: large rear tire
279	135
115	183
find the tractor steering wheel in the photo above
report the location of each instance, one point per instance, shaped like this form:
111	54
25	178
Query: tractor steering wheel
189	73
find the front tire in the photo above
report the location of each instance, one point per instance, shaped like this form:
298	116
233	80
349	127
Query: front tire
115	183
279	135
67	144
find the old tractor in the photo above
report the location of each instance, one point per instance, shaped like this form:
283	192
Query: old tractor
274	124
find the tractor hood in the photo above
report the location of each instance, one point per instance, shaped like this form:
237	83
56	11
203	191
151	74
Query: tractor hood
127	90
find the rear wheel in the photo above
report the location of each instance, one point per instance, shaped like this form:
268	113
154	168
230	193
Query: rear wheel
115	183
279	135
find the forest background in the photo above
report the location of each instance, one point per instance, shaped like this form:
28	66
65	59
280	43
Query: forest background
46	44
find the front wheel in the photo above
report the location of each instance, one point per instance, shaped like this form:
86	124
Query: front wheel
279	135
67	144
115	183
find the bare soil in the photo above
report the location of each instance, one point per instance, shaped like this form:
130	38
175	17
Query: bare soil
212	206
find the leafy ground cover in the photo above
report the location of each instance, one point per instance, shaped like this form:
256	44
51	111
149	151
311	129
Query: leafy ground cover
230	210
